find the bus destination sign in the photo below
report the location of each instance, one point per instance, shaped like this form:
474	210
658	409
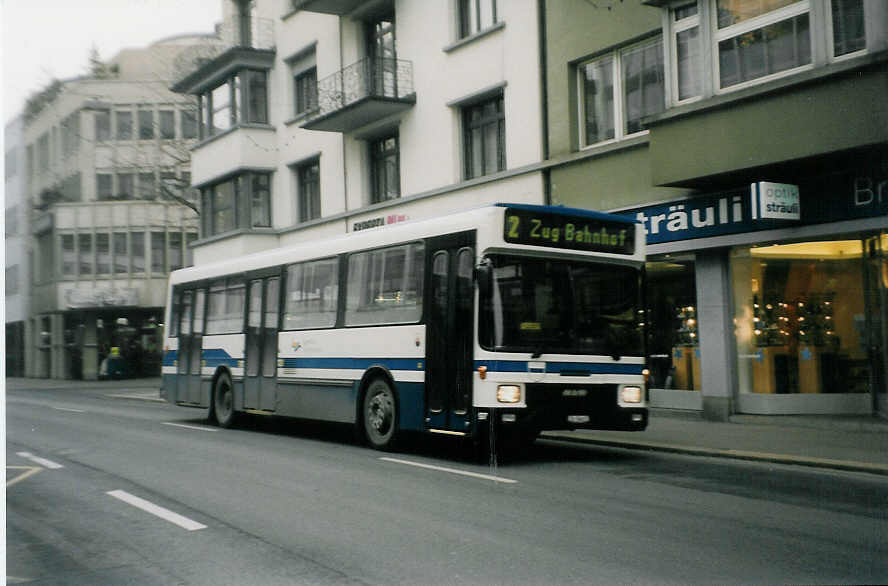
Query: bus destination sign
574	232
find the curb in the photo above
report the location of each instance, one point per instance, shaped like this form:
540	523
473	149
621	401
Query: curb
824	463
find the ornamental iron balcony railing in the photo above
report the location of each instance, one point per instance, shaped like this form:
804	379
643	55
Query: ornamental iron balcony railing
363	92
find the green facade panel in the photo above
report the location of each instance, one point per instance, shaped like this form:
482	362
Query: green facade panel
618	179
830	115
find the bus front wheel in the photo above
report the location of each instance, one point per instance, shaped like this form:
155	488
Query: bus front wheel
223	400
380	415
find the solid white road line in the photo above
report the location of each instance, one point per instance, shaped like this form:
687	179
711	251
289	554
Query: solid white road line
149	507
151	396
190	426
42	461
71	410
452	471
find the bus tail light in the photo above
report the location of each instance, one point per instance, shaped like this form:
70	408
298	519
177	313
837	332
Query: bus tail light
630	394
482	372
508	393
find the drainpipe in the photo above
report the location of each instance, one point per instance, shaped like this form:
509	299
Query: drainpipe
544	97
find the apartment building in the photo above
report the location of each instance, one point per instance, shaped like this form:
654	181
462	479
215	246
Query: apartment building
331	117
104	182
751	138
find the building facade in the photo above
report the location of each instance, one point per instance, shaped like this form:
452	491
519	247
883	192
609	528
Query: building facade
752	140
105	175
17	276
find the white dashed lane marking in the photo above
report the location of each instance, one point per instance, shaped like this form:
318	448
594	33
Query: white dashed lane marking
452	471
157	510
37	460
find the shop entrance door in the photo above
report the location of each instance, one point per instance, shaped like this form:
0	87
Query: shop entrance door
876	299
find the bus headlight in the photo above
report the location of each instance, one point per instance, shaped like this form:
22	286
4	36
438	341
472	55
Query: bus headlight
508	393
630	395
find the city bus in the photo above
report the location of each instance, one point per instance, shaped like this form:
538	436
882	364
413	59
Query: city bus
517	317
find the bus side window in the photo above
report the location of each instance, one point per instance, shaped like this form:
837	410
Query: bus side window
235	299
385	286
216	309
312	294
175	302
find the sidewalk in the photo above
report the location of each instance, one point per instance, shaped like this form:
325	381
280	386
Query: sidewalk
855	443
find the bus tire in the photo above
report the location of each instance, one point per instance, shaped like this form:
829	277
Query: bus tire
379	414
223	400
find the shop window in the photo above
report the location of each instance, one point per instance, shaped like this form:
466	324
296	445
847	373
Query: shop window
673	341
801	318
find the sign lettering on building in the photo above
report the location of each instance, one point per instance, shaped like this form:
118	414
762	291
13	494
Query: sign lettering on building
103	297
380	221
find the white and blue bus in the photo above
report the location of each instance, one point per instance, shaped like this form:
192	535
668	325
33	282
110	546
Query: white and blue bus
527	316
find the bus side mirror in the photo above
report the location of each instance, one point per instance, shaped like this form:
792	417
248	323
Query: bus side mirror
484	278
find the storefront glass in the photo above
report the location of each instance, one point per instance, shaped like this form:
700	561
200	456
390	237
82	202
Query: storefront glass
673	343
801	318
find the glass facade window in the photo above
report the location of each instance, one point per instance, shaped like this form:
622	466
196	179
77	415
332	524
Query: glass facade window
484	125
69	256
241	98
125	188
85	254
103	254
137	251
103	125
158	252
256	98
175	250
672	314
121	256
189	123
146	124
801	318
147	185
167	124
124	125
104	188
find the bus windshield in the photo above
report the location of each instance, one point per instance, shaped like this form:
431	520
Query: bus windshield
562	307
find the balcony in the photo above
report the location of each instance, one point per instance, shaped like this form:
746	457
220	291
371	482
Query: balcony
337	7
238	42
363	92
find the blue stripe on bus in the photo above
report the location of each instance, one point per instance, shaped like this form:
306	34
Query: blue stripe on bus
217	357
557	367
415	364
169	357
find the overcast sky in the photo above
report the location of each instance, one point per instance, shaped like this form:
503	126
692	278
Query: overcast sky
46	39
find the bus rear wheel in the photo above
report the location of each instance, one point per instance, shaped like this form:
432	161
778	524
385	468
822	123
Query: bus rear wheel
380	415
223	400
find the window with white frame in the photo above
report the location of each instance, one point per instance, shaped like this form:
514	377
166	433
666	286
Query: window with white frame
619	89
753	41
308	185
304	73
475	16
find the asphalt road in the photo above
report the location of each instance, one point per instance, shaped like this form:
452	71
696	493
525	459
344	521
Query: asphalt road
109	490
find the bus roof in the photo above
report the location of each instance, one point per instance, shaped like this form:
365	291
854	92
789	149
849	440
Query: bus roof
459	220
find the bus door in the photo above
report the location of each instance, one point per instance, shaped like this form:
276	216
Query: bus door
190	347
260	382
449	333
